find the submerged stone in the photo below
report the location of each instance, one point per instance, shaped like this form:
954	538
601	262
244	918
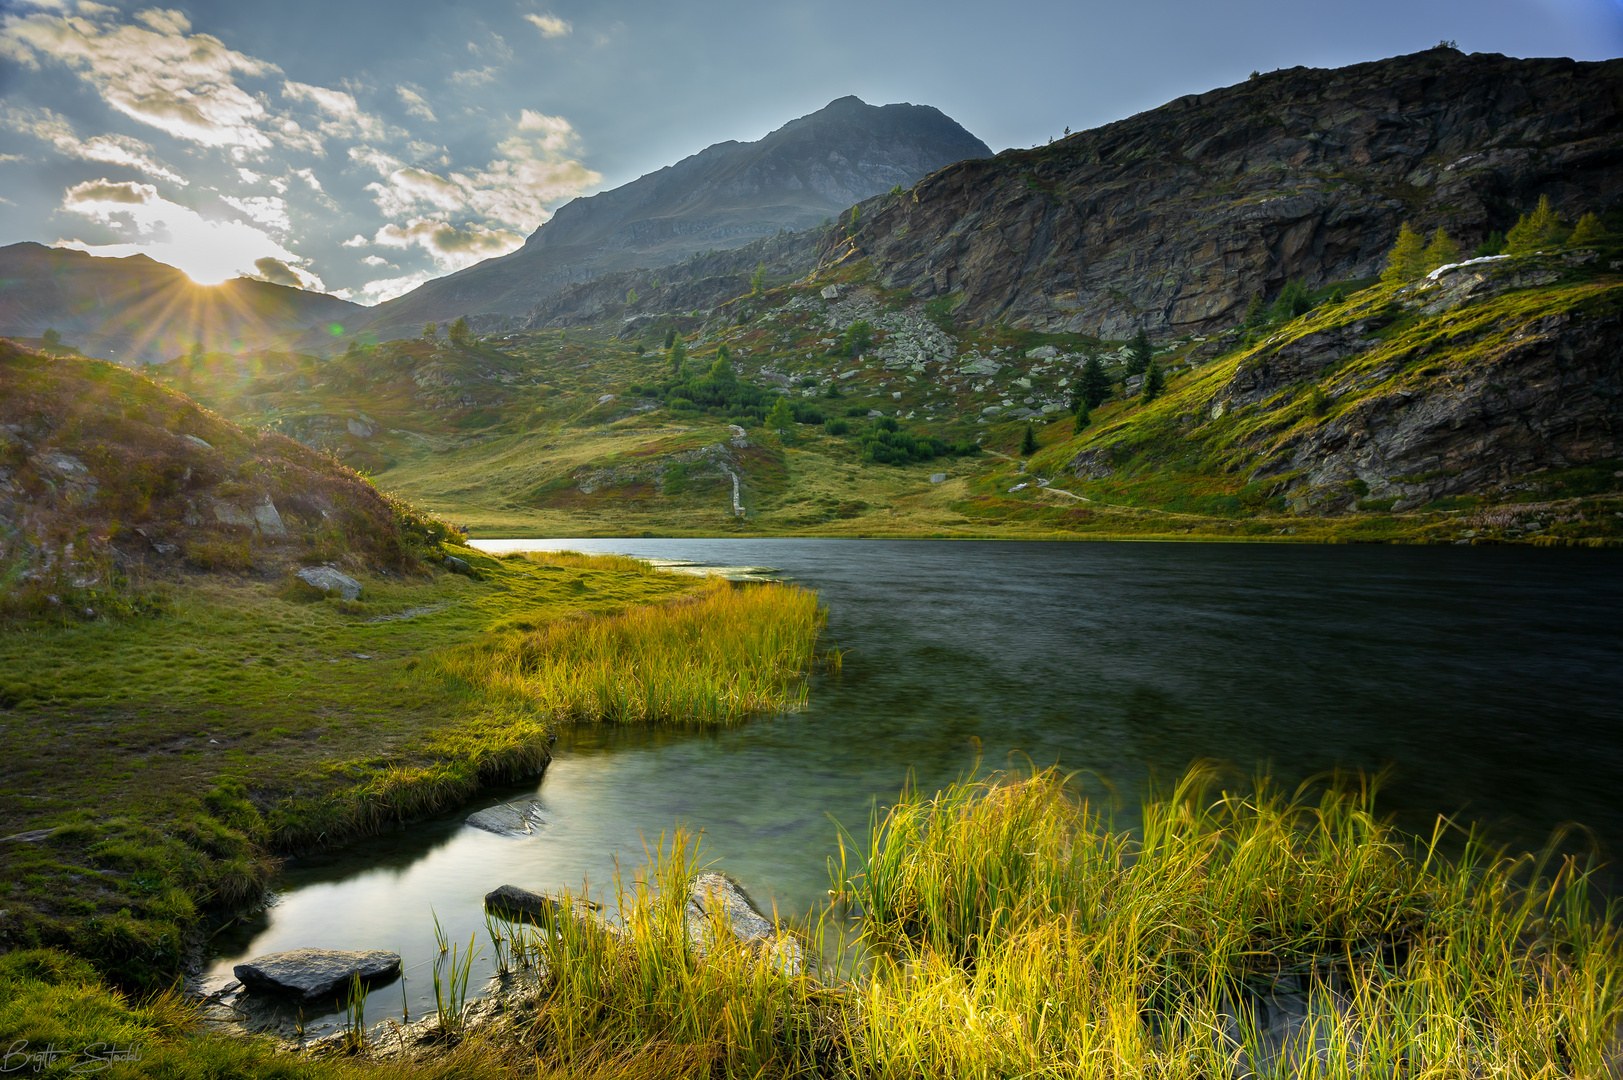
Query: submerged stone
514	901
509	820
314	973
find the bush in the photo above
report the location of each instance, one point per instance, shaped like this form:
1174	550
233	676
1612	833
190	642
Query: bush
857	410
836	427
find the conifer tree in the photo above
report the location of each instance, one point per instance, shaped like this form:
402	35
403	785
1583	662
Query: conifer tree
1093	385
679	353
1441	250
670	337
1082	418
52	337
1028	442
1256	313
1588	231
458	332
781	418
431	330
1407	259
1154	383
1537	231
1139	353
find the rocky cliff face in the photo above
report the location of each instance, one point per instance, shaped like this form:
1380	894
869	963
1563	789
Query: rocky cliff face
723	197
1173	219
136	310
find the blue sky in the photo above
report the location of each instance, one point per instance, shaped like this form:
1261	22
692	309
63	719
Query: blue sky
362	147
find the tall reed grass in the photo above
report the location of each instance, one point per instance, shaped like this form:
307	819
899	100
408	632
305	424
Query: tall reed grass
1007	930
713	658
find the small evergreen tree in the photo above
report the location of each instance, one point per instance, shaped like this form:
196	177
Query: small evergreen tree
631	297
1441	251
1154	383
1256	313
1293	300
458	332
670	337
782	418
1094	384
1587	231
1407	259
1139	353
723	353
431	330
679	353
1536	231
1082	418
1028	442
52	337
1493	245
758	279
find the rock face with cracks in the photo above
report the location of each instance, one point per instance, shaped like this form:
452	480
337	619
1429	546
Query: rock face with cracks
1174	219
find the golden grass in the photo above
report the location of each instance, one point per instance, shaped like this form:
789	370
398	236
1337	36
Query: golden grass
718	657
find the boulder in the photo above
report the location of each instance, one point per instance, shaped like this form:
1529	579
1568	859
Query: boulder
514	902
508	819
313	974
713	897
329	580
458	566
938	477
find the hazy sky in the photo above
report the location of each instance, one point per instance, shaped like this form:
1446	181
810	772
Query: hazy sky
363	146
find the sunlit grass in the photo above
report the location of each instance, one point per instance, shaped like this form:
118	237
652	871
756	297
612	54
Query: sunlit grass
717	657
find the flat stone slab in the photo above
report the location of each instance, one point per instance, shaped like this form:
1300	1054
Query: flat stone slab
314	973
329	580
510	819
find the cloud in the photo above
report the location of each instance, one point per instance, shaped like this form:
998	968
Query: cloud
53	128
379	260
535	169
269	211
341	115
415	105
207	250
277	272
474	76
309	177
450	246
157	72
376	292
550	25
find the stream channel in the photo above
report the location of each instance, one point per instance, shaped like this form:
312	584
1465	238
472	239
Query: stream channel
1489	680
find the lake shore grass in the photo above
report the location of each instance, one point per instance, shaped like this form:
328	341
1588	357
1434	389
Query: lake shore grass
158	766
1004	928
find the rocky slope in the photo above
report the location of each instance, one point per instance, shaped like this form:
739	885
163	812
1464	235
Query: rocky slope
1174	219
722	197
103	472
136	310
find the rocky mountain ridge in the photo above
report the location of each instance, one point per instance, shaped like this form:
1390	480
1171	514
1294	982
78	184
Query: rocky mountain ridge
1172	220
722	197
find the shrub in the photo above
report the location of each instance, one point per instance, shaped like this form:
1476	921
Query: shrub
836	427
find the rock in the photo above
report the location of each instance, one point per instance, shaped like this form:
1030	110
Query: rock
359	429
937	478
986	365
32	836
514	901
509	820
199	443
261	517
458	566
830	292
329	580
714	897
314	973
1044	352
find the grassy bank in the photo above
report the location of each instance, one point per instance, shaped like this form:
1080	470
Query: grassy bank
157	765
1006	929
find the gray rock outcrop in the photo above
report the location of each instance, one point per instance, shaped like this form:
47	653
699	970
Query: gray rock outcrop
514	901
312	974
329	580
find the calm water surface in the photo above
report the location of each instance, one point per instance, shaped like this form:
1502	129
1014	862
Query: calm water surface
1490	680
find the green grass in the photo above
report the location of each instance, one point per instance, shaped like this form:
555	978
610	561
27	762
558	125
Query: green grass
715	657
1005	928
175	755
